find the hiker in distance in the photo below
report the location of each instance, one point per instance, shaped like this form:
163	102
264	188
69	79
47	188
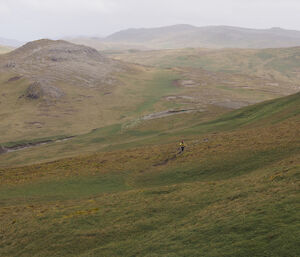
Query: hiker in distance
182	146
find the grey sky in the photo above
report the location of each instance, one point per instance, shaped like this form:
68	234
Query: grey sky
33	19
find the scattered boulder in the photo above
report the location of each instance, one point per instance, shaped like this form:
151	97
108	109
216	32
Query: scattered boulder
34	91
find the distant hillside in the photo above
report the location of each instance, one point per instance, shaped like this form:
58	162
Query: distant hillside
5	49
282	64
184	36
181	36
53	88
10	42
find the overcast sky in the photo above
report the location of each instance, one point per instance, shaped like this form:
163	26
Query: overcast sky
33	19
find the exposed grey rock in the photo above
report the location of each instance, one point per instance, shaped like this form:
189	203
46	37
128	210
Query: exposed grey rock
36	91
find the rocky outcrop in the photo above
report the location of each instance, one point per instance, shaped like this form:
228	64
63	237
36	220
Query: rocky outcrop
36	91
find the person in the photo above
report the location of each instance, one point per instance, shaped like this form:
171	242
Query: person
182	146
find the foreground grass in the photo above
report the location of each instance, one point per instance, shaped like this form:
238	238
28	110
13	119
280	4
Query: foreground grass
249	216
234	192
234	196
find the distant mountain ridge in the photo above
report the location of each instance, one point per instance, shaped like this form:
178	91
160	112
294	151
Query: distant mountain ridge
185	36
180	36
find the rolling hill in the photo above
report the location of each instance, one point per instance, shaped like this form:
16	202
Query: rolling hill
53	89
89	161
184	36
48	88
281	64
234	192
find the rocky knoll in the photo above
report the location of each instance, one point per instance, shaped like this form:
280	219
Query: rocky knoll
47	64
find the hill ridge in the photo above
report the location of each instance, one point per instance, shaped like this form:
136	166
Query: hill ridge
182	35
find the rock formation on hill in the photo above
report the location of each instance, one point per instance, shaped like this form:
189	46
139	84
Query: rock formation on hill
48	64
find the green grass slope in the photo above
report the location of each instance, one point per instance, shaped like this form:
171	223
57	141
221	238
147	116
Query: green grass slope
158	131
234	192
270	112
164	130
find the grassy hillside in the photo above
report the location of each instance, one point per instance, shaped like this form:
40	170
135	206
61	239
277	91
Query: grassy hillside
81	109
234	192
53	89
158	131
281	64
119	187
143	91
